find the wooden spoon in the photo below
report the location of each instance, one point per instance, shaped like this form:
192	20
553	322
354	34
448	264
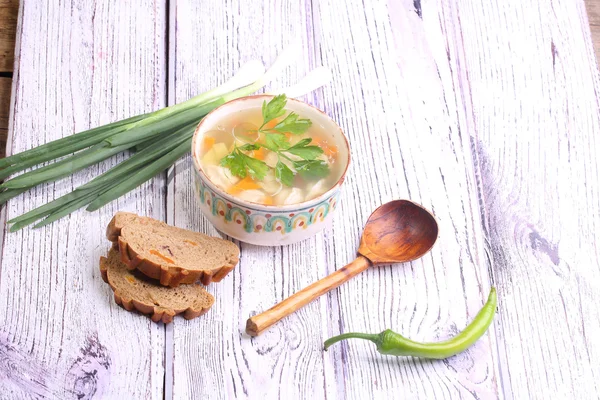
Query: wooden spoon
398	231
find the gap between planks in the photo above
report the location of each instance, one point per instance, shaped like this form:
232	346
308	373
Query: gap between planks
9	10
5	84
593	13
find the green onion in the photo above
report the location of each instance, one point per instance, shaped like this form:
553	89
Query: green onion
153	126
107	180
66	210
63	168
141	176
69	144
9	194
23	223
48	156
60	152
141	146
143	157
55	206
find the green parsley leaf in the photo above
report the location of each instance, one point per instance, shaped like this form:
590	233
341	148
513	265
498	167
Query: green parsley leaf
236	164
312	169
249	147
257	168
274	108
303	142
276	141
302	150
284	174
241	165
292	124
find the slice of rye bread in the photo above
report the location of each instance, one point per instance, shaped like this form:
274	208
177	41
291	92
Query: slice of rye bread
171	255
134	291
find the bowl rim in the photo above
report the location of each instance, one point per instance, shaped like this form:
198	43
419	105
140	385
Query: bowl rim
259	206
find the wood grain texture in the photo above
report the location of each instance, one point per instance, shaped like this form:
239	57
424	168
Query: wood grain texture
80	64
287	361
392	94
8	24
487	114
534	127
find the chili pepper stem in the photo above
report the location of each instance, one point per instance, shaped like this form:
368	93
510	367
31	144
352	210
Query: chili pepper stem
373	337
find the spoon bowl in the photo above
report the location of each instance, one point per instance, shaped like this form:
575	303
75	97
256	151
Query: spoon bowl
398	231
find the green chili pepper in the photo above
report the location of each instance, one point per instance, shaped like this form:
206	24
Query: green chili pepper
391	343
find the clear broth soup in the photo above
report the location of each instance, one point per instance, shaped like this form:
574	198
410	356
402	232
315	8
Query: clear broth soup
241	128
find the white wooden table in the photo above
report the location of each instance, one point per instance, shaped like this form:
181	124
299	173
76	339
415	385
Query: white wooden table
486	113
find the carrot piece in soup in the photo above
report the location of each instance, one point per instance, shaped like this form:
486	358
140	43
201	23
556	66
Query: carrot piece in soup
208	142
328	150
245	184
271	124
268	201
260	154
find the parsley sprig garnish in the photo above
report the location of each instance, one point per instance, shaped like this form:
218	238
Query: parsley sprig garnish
241	164
309	167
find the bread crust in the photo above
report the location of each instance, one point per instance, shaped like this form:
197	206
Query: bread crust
171	276
157	314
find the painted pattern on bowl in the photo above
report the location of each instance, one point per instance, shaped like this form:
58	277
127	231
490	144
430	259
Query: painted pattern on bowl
252	220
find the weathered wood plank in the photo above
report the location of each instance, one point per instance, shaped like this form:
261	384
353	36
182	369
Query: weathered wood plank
8	24
392	94
534	126
394	97
417	90
81	64
211	356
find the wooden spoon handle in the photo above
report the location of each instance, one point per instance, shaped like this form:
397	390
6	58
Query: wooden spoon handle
257	324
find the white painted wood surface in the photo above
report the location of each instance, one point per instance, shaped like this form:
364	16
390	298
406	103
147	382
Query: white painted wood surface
62	336
534	124
485	114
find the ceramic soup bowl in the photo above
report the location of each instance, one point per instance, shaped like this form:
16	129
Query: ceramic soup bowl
267	225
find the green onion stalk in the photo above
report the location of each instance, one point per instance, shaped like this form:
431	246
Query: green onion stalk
60	147
107	180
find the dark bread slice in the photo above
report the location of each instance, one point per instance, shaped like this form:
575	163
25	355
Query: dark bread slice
171	255
134	291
